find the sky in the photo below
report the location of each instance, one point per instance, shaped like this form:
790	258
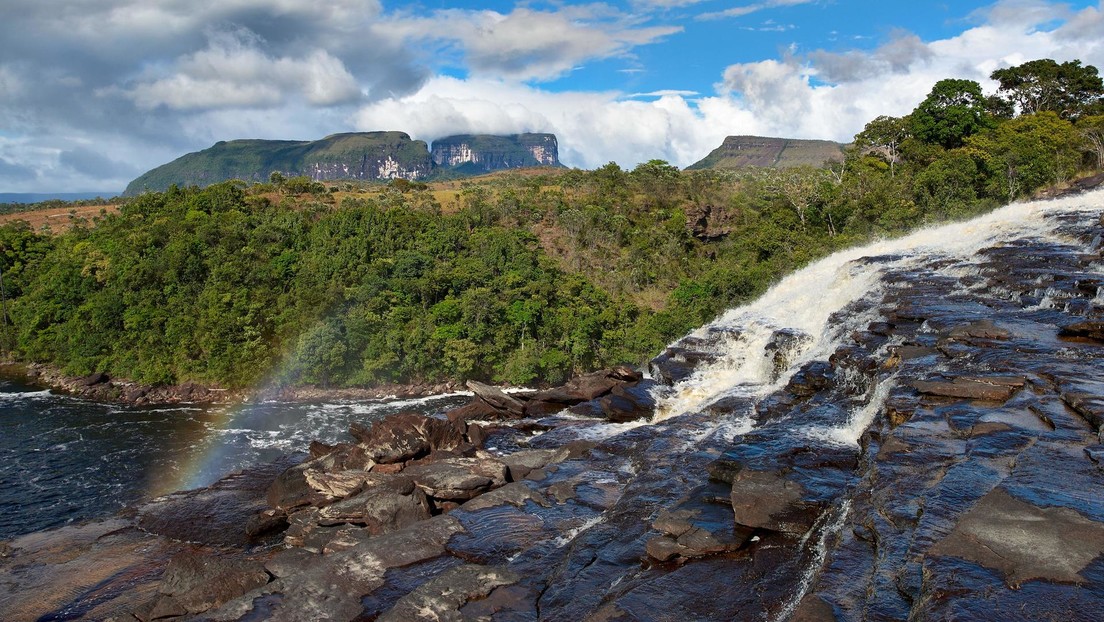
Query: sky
95	92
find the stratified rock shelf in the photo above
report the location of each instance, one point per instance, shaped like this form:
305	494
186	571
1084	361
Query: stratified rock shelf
933	454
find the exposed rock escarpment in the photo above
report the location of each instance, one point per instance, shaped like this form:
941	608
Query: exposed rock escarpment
355	155
361	155
483	153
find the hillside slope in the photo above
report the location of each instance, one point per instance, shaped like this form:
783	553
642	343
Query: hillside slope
757	151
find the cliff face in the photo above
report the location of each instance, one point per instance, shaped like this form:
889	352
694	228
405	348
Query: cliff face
486	153
758	151
377	155
359	155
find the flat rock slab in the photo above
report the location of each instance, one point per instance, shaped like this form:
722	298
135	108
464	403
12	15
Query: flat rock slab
333	588
996	389
768	500
195	582
1086	330
1025	541
441	598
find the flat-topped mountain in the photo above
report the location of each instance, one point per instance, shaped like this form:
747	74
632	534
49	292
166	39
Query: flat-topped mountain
483	153
356	155
757	151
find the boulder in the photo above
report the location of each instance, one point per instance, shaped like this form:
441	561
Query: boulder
315	483
812	377
580	389
475	409
458	479
441	597
265	522
318	449
337	484
301	524
628	402
768	500
539	408
981	329
392	504
696	527
406	436
1085	330
521	463
92	379
497	398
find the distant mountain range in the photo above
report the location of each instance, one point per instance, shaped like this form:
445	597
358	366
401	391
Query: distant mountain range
737	152
359	155
394	155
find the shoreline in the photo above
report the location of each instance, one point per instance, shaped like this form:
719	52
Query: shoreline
100	387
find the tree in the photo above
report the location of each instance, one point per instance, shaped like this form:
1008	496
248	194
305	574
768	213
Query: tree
1092	130
884	135
1068	89
1027	153
954	110
801	187
948	186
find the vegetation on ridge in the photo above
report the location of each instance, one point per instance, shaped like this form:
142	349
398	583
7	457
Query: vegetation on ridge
520	278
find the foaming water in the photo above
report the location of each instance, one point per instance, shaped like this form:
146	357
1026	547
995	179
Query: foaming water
805	301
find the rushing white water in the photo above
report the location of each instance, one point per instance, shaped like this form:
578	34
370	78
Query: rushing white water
831	523
805	301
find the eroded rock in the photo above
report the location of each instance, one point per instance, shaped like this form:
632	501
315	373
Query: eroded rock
996	388
442	597
458	479
768	500
1025	541
407	436
381	507
197	582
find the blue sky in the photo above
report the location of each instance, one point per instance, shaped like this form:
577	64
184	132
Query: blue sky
94	93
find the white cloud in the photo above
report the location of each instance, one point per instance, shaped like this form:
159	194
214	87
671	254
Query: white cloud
233	72
748	9
900	55
593	128
828	96
526	44
665	93
144	81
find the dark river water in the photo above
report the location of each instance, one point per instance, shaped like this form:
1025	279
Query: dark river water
64	459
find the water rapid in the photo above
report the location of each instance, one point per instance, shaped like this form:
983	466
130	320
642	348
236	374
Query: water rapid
749	360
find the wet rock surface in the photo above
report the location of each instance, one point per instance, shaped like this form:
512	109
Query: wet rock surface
935	455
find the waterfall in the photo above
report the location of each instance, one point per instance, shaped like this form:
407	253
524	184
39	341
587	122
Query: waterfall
804	302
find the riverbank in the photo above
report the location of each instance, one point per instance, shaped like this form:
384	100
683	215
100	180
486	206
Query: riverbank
101	387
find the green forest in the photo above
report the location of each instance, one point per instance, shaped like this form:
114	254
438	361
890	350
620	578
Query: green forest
523	278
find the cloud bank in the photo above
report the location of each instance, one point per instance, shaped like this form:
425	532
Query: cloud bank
94	93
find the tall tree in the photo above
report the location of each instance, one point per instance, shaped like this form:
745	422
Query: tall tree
884	135
954	110
1092	129
1069	89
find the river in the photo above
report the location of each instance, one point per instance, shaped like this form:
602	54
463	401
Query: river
64	459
